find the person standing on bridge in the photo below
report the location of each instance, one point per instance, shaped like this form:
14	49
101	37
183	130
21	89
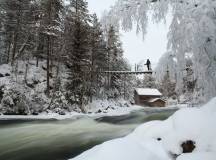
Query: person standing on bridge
148	63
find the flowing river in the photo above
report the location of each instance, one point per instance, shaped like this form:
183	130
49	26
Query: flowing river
64	139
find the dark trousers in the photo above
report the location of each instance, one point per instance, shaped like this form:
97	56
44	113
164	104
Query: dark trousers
148	66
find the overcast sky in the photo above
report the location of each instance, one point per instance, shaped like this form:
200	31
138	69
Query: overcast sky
135	48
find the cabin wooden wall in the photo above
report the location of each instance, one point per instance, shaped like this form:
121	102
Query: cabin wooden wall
143	101
158	103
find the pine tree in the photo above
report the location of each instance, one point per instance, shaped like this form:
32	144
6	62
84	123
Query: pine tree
3	55
98	56
17	26
167	86
116	62
189	82
149	81
50	31
78	51
115	53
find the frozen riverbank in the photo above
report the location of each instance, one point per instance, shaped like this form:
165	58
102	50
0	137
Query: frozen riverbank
117	111
163	140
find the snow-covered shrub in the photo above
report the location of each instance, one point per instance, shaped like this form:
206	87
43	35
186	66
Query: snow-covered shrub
71	98
14	102
38	104
113	93
59	102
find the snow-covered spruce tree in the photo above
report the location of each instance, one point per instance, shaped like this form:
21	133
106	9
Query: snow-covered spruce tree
50	32
3	55
167	86
77	49
17	27
167	62
149	81
189	81
99	57
115	62
126	81
192	32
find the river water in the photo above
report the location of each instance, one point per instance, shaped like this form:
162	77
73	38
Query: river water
64	139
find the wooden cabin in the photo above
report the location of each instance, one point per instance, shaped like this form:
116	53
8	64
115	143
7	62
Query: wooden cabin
148	97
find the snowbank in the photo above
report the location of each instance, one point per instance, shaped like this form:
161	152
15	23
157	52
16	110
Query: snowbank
162	140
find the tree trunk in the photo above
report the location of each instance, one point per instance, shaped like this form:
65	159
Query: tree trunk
8	52
48	65
37	61
92	77
14	48
26	73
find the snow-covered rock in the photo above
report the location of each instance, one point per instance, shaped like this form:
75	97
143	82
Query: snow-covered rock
162	140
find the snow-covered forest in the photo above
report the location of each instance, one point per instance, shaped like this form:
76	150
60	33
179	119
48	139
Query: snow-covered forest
51	56
67	90
52	52
190	58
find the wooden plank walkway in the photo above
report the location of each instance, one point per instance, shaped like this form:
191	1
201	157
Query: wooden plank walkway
126	72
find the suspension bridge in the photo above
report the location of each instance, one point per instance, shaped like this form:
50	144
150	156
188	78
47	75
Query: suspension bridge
126	72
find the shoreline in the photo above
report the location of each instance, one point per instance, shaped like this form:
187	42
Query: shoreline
75	115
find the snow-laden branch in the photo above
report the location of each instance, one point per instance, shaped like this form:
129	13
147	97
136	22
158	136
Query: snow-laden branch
192	31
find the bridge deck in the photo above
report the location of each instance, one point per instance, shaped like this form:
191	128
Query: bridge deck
127	72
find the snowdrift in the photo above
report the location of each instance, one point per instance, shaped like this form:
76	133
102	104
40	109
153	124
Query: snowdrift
162	140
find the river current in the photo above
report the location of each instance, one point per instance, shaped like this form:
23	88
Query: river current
64	139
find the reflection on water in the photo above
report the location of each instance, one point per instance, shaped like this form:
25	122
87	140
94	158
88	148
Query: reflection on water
60	140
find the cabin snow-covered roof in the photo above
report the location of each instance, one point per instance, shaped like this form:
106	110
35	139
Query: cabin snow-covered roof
148	92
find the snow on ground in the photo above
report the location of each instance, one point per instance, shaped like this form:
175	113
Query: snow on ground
162	140
113	111
121	107
111	107
4	69
43	116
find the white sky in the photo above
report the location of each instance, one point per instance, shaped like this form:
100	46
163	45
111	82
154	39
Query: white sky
135	48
